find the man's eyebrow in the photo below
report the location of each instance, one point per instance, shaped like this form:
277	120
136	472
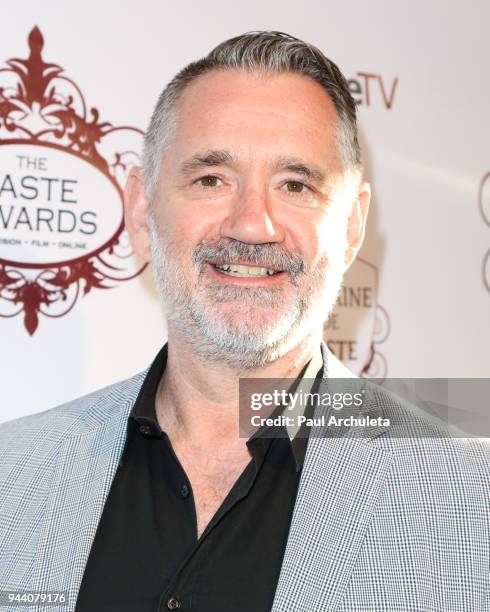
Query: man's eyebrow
223	157
309	171
205	160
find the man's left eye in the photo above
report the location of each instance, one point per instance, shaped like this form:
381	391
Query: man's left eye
295	187
208	181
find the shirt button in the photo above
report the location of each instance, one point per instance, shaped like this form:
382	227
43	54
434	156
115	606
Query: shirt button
184	491
173	604
145	430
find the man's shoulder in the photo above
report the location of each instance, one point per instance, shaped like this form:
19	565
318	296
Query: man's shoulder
411	431
78	415
433	442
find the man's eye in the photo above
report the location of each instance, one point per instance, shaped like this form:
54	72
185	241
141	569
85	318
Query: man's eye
208	181
295	187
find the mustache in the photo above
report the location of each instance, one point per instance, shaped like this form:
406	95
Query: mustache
266	255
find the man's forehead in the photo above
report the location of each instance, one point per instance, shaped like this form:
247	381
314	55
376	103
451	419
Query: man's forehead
219	113
257	92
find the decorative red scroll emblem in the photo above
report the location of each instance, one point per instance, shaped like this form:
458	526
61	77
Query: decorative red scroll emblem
62	171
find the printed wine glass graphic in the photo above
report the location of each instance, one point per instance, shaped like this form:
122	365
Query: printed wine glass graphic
484	204
62	171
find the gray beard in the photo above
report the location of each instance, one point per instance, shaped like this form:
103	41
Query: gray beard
242	346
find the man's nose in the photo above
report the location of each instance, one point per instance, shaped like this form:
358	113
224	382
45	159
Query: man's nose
251	218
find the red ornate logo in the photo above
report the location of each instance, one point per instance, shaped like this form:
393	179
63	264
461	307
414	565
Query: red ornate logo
62	171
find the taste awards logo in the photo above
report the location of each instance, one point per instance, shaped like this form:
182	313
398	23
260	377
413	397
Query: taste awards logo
62	171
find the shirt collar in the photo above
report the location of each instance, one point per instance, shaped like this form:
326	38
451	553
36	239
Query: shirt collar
143	411
143	414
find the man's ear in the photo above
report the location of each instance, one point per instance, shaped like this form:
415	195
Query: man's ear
357	223
136	214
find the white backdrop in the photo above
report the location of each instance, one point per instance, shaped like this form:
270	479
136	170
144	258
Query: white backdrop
420	73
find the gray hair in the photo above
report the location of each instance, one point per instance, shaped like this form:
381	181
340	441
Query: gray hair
263	52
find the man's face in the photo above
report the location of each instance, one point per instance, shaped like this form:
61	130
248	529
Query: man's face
250	215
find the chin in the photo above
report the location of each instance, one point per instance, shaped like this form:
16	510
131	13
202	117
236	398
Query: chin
243	336
248	313
251	319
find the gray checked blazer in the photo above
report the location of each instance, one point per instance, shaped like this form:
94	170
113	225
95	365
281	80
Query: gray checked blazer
382	523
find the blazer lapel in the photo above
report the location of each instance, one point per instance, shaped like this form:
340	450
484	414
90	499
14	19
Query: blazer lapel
341	480
85	468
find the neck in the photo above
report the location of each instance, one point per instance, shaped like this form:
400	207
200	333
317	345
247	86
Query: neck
198	400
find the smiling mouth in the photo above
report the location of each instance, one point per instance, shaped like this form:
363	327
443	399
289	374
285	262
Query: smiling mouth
245	271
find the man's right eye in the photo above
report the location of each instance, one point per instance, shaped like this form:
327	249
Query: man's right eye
208	181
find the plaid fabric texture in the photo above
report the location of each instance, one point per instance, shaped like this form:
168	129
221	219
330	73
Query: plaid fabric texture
381	522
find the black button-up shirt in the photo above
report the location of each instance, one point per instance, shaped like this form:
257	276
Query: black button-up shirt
146	555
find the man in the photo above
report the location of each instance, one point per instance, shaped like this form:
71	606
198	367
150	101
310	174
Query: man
144	495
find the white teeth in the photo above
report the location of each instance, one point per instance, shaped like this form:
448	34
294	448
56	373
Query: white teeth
245	271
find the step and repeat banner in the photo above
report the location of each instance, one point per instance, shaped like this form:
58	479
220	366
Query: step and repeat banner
78	83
